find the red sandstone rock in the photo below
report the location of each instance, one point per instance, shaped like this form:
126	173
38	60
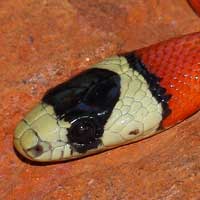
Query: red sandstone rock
46	42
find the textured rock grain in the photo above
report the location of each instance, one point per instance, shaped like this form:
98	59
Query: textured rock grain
45	42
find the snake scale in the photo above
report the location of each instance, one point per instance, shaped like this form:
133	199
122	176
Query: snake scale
122	99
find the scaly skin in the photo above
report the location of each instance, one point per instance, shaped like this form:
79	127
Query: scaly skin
57	129
177	62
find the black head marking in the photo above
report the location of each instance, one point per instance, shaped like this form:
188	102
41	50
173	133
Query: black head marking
86	101
153	81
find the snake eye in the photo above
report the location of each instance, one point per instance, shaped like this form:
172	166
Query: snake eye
84	134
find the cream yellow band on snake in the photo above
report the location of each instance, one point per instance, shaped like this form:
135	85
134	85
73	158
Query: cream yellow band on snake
42	137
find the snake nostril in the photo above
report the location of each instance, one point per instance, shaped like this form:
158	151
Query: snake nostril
135	132
36	150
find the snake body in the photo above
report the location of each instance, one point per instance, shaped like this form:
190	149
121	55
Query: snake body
120	100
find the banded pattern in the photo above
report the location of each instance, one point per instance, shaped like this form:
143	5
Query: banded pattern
120	100
177	62
137	114
45	133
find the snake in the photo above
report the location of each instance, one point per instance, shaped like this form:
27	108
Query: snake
120	100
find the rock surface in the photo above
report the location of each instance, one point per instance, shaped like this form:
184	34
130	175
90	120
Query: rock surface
44	43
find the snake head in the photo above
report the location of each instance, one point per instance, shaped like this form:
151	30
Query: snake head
103	107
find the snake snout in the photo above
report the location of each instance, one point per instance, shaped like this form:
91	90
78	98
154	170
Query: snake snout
40	136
